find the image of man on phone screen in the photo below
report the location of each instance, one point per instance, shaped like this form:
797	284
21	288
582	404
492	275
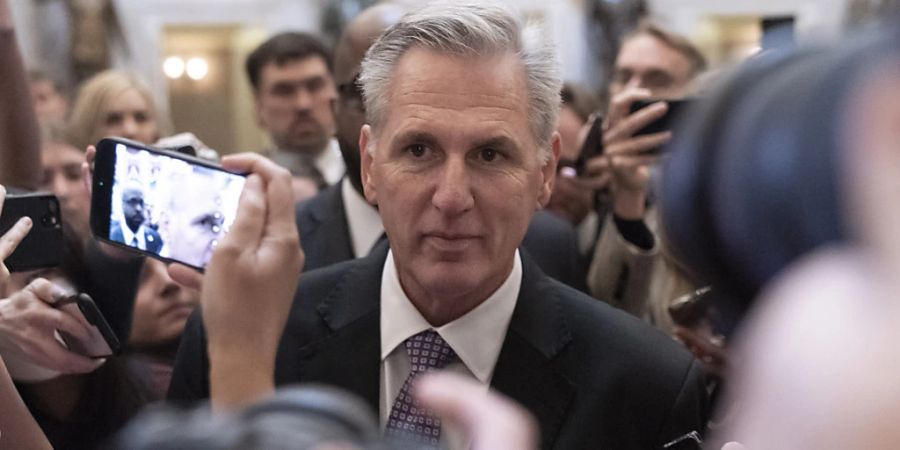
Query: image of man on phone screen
135	233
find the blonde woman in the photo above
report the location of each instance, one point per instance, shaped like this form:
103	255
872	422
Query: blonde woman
114	103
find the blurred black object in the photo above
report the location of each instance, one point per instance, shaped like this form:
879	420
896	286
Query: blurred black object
675	112
295	418
43	246
752	179
778	33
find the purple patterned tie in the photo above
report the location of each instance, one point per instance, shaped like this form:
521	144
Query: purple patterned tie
427	351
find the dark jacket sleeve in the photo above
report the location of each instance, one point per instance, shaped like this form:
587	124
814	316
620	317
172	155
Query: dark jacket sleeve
552	243
190	376
690	412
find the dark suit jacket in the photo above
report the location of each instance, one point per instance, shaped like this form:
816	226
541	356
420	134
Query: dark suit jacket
325	237
593	376
151	237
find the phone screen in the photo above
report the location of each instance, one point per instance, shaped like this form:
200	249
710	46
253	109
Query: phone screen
162	204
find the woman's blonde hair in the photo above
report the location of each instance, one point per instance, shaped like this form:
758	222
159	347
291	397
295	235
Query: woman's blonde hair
92	104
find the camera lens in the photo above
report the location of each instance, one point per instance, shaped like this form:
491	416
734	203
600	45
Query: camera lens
52	206
49	220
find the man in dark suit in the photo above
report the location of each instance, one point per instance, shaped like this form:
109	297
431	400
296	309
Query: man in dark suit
135	234
458	153
338	224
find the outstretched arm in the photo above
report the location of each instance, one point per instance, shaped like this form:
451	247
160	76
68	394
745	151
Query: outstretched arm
261	253
17	428
20	146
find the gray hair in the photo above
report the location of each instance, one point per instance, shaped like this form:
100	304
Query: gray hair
468	29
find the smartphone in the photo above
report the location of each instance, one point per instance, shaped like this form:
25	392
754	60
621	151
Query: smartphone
161	203
667	122
592	145
43	246
103	342
689	309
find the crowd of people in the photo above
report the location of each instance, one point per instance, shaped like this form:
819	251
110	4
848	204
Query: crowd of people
434	198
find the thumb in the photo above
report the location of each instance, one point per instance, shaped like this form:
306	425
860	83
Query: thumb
185	276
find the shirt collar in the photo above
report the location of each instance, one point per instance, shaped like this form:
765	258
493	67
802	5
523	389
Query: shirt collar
128	235
476	337
362	219
330	163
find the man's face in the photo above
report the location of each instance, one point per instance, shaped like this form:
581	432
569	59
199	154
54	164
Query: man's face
197	222
133	207
646	62
456	172
294	104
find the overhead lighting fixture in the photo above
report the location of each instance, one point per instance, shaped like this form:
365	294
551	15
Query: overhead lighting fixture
173	67
197	68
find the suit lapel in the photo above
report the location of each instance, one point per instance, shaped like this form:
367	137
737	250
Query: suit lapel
334	231
350	355
525	371
324	233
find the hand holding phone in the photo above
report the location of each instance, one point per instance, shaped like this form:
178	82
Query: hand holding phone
160	203
101	341
627	157
29	323
43	244
675	109
262	254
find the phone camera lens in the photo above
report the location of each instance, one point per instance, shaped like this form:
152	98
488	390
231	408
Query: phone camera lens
53	207
49	220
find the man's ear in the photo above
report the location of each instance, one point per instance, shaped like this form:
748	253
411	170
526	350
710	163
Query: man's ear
366	160
548	171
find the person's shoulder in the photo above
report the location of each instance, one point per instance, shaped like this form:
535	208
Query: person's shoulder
340	280
546	223
605	331
316	205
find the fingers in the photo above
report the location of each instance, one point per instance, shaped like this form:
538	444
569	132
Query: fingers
489	420
620	105
639	144
280	202
53	355
701	347
45	291
185	276
247	229
66	318
87	167
11	239
268	200
254	163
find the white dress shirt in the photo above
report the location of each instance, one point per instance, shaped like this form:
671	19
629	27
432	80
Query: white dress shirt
476	337
362	219
329	163
129	235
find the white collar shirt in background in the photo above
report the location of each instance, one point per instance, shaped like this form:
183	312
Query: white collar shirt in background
362	220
